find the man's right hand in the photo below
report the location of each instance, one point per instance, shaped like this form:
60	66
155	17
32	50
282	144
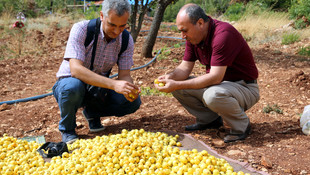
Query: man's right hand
129	90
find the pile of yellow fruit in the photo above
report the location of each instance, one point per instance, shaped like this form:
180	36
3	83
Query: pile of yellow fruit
130	152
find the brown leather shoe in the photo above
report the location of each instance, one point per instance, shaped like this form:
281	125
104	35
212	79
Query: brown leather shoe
235	137
213	125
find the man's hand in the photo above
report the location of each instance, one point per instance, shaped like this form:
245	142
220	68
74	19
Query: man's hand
133	95
165	85
129	90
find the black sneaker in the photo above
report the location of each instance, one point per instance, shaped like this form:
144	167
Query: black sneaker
216	124
94	124
69	136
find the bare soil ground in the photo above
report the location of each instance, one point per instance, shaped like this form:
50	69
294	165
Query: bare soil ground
277	144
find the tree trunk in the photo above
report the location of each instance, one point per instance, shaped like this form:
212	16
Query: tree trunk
151	37
133	19
135	30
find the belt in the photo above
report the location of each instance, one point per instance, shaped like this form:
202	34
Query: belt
64	77
251	81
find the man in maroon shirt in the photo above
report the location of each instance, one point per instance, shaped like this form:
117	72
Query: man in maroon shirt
228	88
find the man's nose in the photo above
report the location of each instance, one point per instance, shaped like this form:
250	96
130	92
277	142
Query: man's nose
117	31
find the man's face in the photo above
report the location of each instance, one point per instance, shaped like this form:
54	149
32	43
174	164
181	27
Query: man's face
113	24
193	33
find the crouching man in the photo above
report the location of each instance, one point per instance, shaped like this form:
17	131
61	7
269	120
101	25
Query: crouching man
83	77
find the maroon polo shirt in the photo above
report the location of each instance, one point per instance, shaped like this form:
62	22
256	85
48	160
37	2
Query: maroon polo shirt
224	46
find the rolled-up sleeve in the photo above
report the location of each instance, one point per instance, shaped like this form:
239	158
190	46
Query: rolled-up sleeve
75	45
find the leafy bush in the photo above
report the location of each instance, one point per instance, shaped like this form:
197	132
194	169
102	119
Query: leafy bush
235	11
32	8
92	12
289	38
255	8
301	12
281	5
215	7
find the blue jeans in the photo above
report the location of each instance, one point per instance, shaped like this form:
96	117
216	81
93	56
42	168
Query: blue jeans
71	94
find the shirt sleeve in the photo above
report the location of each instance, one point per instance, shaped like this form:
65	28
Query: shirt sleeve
189	54
75	45
125	62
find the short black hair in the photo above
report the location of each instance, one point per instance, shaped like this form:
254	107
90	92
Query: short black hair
195	12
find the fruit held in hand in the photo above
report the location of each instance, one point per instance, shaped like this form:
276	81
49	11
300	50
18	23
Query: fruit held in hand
156	81
133	94
159	84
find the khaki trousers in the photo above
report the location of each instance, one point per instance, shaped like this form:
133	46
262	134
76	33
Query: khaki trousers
229	100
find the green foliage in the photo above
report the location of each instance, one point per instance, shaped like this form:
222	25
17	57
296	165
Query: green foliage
210	6
176	45
32	8
290	38
301	12
274	108
215	7
235	11
255	8
148	91
164	53
304	51
275	4
92	12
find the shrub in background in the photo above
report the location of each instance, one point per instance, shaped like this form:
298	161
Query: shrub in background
300	11
235	11
290	38
304	51
255	8
92	11
215	7
278	5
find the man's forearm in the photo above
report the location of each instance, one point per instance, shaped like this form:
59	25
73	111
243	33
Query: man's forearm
178	75
90	77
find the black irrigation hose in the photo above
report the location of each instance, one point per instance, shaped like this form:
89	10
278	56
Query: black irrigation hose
112	76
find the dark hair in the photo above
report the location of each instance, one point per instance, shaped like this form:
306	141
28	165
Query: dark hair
195	12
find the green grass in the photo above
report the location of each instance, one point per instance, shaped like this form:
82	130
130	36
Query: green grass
290	38
148	91
164	53
176	45
305	51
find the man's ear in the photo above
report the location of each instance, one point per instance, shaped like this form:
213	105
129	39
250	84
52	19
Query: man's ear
200	22
101	15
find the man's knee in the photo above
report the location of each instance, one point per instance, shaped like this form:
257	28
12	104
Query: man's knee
129	107
213	96
135	105
72	90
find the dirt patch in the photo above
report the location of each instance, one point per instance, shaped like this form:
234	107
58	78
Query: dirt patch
276	146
